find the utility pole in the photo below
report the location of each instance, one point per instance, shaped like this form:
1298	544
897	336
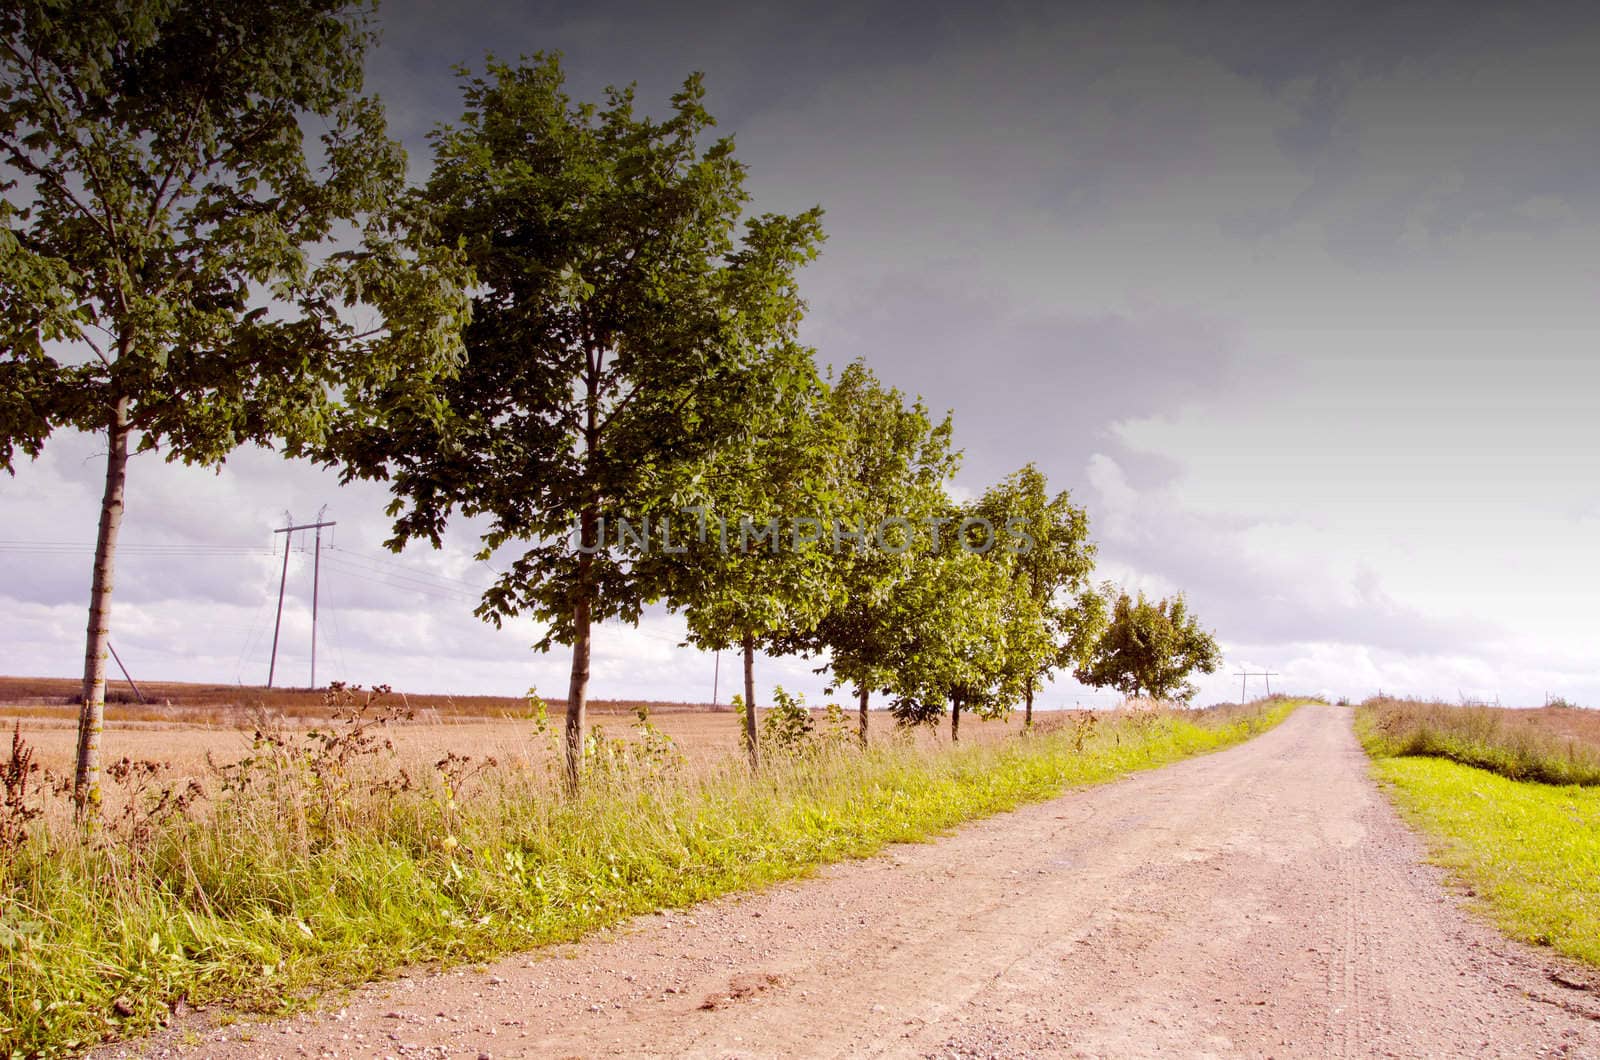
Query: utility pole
716	677
125	673
1245	675
288	532
316	582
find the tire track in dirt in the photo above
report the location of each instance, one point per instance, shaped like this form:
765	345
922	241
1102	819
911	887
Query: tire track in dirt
1263	900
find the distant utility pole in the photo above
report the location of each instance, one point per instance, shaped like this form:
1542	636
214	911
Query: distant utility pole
1245	675
316	582
716	677
288	532
125	673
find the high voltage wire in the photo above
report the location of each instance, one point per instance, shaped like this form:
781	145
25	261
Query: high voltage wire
337	637
399	581
68	547
423	590
372	563
383	564
367	567
255	624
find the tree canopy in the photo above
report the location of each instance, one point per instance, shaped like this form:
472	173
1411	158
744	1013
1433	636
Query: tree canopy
954	615
178	270
623	333
1150	648
767	566
890	469
1043	542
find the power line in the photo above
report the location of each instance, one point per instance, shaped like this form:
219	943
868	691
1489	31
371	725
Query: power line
400	581
74	548
338	644
383	564
1245	675
250	633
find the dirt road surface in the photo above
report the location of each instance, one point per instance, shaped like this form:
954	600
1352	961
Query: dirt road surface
1263	901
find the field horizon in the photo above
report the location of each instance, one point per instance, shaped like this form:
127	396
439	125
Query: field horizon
180	700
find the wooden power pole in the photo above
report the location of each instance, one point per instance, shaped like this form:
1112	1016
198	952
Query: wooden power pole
288	533
1245	675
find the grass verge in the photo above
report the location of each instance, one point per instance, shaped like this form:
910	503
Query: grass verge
1516	744
1530	851
316	862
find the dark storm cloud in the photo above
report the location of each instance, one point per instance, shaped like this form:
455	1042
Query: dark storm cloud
1027	386
1327	49
1512	76
756	55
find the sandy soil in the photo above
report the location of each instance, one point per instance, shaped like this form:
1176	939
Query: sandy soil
1264	901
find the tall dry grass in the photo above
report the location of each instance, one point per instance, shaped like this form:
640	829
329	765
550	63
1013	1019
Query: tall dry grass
1552	745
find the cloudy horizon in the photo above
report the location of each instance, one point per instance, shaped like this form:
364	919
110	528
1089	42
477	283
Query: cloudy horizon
1300	305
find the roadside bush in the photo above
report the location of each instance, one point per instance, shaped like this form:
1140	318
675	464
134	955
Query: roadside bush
787	725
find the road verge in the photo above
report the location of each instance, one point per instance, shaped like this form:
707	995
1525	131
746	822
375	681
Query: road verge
1526	852
304	872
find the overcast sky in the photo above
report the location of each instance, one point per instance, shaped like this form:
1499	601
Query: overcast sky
1302	305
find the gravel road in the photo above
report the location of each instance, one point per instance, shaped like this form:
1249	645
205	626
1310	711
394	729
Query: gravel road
1262	901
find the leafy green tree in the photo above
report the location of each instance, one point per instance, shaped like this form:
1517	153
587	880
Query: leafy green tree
1150	648
620	338
1044	543
178	273
762	565
954	612
892	463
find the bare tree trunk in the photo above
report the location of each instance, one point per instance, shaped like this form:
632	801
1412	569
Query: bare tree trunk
578	689
955	719
577	695
750	740
590	532
91	718
1027	710
863	692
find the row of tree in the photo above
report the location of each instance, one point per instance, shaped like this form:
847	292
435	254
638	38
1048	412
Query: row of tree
574	325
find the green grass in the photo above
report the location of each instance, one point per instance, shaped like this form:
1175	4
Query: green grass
307	877
1530	851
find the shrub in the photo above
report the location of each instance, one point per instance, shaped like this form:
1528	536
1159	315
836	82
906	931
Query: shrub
787	726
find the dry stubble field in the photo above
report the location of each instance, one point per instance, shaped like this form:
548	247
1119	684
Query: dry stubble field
188	722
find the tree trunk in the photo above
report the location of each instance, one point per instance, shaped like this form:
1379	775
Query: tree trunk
864	693
752	744
91	718
578	689
955	719
590	533
1027	710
